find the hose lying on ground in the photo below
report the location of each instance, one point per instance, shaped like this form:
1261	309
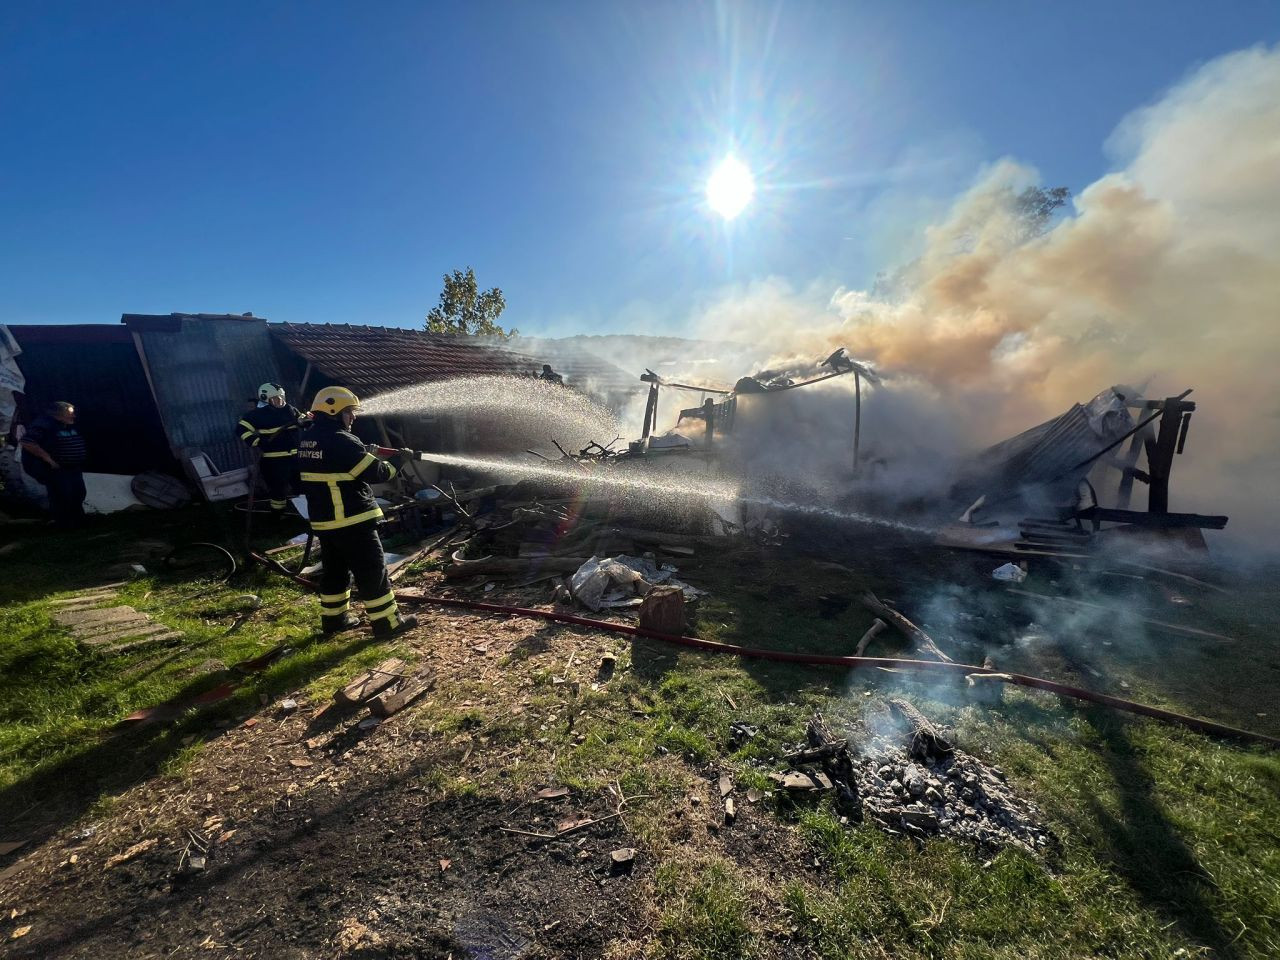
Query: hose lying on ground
817	659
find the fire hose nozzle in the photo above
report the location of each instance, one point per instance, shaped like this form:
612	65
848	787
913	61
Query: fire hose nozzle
405	452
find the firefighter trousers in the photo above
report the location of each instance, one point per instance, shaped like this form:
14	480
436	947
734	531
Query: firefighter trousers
356	552
280	477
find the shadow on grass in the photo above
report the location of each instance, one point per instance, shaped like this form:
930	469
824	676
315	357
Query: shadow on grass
1146	848
140	911
302	866
39	805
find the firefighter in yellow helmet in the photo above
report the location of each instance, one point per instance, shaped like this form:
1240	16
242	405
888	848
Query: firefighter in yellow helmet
336	471
272	428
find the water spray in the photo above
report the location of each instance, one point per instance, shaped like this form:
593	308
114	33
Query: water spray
655	490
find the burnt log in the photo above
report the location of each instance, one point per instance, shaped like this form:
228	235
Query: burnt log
876	626
927	742
903	625
836	761
662	611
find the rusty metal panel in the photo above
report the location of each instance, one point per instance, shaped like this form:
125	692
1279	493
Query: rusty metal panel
205	374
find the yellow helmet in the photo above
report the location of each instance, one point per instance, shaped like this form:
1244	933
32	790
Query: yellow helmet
333	400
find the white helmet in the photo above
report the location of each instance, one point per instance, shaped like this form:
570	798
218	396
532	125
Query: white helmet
269	390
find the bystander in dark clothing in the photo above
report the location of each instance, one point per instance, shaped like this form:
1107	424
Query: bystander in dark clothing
53	454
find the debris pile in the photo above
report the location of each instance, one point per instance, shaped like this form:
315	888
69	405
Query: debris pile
924	788
528	533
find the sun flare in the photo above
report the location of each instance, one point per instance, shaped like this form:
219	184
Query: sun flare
730	188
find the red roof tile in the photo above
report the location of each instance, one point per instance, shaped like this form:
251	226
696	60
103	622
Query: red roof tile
373	360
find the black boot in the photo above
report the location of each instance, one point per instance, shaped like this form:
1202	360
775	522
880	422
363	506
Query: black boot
382	631
339	624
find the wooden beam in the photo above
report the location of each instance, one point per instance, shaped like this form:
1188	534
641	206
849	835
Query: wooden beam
1138	518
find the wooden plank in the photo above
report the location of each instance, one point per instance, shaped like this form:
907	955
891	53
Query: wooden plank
1139	518
83	598
372	683
157	640
69	618
396	699
115	630
100	639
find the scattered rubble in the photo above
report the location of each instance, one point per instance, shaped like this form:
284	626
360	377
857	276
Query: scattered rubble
924	787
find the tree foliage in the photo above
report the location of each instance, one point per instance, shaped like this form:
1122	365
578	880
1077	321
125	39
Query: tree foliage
1035	206
464	308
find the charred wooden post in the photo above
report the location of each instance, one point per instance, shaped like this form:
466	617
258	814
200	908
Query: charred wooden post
836	761
927	742
709	414
1161	451
650	408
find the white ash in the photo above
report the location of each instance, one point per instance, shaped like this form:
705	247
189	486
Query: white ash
958	796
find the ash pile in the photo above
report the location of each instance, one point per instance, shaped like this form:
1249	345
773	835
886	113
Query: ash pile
924	787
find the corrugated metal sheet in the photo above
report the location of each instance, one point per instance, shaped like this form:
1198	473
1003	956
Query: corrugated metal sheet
205	372
96	367
1050	452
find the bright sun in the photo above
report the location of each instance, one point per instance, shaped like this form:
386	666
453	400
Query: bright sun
730	188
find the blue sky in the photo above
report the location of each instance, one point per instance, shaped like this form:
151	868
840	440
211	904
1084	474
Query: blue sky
329	161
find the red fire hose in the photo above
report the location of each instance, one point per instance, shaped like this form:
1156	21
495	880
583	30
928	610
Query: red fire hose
817	659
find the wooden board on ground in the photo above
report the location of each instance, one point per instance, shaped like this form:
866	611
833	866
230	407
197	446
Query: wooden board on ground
70	618
116	630
145	643
397	698
86	599
372	683
106	637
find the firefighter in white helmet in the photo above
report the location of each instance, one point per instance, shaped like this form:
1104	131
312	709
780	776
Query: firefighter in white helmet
273	428
336	471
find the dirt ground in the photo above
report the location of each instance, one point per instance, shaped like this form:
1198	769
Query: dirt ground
322	839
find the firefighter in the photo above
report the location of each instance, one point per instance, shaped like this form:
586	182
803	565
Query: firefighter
273	428
336	471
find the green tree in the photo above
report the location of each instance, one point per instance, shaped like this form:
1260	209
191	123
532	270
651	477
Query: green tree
464	308
1035	208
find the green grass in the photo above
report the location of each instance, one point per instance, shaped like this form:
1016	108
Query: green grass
59	702
1169	840
705	913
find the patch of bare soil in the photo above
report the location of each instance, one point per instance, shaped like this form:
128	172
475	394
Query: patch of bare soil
374	870
301	833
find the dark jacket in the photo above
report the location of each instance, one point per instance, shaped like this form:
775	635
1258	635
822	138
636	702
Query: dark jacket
336	473
61	441
273	430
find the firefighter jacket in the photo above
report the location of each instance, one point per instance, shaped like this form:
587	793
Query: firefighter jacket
336	473
273	430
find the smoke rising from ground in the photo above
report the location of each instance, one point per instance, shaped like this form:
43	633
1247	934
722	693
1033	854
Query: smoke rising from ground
1166	270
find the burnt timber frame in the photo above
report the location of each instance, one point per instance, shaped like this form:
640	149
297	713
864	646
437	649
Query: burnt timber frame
1161	444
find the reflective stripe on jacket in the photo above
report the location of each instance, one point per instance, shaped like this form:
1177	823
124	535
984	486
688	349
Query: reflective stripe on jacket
273	430
336	473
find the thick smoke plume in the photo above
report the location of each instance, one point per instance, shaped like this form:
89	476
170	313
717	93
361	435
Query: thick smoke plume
1166	271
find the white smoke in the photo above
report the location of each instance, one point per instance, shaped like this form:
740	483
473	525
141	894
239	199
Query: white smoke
1166	269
